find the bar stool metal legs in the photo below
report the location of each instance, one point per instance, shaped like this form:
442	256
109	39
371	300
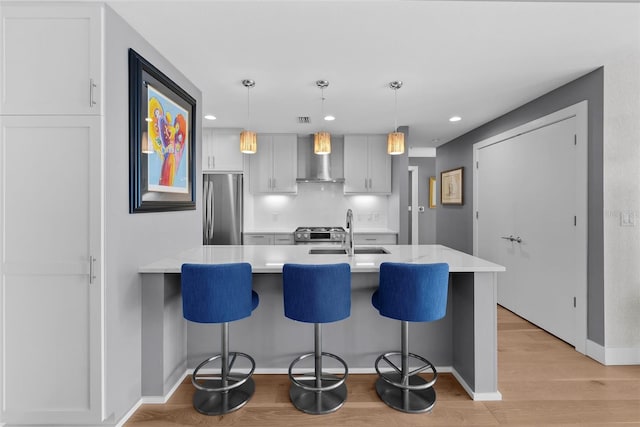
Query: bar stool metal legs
227	392
402	388
318	393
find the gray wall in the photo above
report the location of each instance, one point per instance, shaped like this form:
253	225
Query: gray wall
133	240
455	223
427	219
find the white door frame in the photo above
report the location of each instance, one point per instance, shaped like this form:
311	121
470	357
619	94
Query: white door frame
579	111
415	223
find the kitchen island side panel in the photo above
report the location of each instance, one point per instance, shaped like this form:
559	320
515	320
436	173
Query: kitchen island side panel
274	341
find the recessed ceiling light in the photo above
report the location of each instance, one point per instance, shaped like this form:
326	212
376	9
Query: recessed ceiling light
329	118
455	119
210	117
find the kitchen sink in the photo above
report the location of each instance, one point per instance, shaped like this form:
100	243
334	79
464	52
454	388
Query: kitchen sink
341	251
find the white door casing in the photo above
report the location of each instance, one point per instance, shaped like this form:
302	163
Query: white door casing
531	183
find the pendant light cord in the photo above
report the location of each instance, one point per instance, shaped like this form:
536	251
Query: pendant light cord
395	122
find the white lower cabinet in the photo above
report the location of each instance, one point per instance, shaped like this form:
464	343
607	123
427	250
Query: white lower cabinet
50	295
267	239
375	238
257	239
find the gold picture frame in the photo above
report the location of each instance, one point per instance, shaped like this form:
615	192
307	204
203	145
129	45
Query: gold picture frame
432	192
451	187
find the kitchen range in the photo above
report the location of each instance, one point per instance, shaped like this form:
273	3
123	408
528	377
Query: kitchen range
324	235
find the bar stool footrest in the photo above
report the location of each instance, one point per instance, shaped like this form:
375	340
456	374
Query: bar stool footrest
406	400
395	379
220	403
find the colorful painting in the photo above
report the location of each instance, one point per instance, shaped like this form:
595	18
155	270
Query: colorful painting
167	128
162	135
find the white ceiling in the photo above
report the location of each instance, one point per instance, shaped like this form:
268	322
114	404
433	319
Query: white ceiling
475	59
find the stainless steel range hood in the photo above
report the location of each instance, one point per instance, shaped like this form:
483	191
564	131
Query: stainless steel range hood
320	168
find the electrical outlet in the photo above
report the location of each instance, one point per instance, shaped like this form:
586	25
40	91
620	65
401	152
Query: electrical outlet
627	219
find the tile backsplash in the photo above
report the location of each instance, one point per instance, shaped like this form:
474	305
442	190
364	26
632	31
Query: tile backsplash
315	205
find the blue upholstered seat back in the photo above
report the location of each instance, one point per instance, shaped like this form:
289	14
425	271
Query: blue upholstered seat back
217	293
412	292
317	293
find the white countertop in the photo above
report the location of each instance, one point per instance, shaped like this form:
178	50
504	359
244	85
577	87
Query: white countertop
291	231
269	259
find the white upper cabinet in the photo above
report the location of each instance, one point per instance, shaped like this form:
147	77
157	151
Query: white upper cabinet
50	56
273	168
367	166
221	150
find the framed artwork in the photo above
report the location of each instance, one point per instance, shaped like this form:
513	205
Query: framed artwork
451	187
161	141
432	192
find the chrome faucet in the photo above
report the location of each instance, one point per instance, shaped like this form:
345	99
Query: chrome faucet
349	236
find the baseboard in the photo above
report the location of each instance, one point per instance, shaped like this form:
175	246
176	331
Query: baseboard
491	396
613	356
152	399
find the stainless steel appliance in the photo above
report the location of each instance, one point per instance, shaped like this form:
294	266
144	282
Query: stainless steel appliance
222	209
327	235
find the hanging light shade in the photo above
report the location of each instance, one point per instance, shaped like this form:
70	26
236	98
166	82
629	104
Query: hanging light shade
322	143
248	138
322	139
395	143
395	139
248	142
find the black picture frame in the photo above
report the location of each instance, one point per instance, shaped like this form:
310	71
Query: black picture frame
173	159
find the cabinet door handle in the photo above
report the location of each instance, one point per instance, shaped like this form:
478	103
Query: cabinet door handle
92	87
92	275
365	183
274	184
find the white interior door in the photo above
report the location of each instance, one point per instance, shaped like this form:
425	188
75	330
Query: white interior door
527	215
50	285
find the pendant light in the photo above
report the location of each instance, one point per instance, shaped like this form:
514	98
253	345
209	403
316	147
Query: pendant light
395	139
248	139
322	140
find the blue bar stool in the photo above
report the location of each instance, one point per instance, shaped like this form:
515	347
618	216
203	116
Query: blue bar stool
220	293
409	293
317	294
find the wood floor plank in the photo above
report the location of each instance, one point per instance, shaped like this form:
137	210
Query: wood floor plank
543	381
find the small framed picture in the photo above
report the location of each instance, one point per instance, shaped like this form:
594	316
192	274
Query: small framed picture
432	192
451	187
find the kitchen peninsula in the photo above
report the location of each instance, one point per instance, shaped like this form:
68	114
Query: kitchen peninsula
463	342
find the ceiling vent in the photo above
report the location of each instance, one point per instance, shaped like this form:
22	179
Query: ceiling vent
304	119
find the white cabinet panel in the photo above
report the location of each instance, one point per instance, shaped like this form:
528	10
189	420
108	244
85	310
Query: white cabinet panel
283	239
367	166
257	239
375	238
221	150
273	168
50	213
50	56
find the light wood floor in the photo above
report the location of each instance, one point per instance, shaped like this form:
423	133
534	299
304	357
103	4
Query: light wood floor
543	381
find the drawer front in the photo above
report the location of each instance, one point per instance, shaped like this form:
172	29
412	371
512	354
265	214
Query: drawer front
257	239
375	239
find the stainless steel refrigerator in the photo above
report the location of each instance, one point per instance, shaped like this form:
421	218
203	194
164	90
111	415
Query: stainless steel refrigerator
222	209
